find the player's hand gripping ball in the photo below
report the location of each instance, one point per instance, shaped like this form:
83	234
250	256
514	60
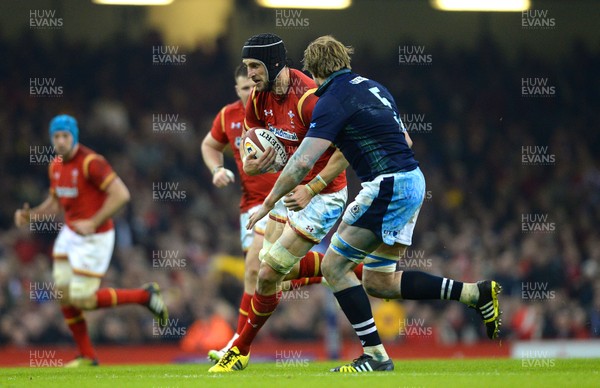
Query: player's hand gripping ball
258	140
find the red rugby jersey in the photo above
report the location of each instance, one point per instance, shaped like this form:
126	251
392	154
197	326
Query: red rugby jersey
79	185
227	129
288	117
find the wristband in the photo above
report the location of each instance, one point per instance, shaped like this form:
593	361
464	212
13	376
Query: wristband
316	185
214	170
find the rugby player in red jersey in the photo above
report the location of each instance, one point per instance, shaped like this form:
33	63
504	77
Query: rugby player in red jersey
85	187
282	101
226	131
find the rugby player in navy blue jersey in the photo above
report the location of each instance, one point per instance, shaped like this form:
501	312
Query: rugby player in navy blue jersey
360	117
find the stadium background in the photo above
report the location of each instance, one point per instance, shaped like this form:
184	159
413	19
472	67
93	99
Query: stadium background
513	178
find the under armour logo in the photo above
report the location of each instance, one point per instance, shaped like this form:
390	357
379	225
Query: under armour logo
237	125
310	229
269	112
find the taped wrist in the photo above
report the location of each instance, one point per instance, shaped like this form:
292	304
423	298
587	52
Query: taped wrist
316	185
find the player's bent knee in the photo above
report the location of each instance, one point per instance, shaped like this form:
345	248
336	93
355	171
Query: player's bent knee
82	291
381	284
279	259
373	286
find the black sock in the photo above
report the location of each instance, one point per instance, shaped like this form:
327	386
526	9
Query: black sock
416	285
355	304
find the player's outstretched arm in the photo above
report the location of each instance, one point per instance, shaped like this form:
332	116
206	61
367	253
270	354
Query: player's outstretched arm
212	154
24	215
295	170
117	196
301	196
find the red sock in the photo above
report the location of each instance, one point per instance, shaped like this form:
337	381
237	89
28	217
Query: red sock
310	265
261	308
243	316
109	297
297	283
358	270
76	322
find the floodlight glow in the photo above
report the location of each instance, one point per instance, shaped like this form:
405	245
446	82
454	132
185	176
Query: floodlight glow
479	5
314	4
132	2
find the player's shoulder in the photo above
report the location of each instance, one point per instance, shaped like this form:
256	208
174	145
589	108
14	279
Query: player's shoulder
233	107
86	152
87	155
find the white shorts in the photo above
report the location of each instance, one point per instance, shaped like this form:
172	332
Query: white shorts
247	236
317	218
77	256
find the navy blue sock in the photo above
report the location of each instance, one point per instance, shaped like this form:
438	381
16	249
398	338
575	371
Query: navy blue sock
417	285
355	304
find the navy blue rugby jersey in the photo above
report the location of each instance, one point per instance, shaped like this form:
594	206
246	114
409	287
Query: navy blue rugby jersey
361	118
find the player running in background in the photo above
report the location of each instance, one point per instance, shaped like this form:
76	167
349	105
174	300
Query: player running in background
227	130
83	184
360	117
282	101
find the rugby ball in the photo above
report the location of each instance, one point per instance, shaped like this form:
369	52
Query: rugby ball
259	139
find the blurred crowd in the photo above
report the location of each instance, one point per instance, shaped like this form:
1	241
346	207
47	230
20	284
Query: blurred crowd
488	213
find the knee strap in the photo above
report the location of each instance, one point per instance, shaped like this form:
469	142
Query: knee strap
346	250
280	259
264	250
381	263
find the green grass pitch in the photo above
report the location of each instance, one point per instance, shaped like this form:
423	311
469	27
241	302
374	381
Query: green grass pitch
425	373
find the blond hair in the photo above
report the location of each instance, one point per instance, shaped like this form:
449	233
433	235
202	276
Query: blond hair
326	55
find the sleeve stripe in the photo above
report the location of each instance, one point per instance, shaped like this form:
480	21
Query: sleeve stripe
222	113
111	177
86	164
301	102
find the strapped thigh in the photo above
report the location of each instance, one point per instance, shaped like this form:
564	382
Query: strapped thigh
346	250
